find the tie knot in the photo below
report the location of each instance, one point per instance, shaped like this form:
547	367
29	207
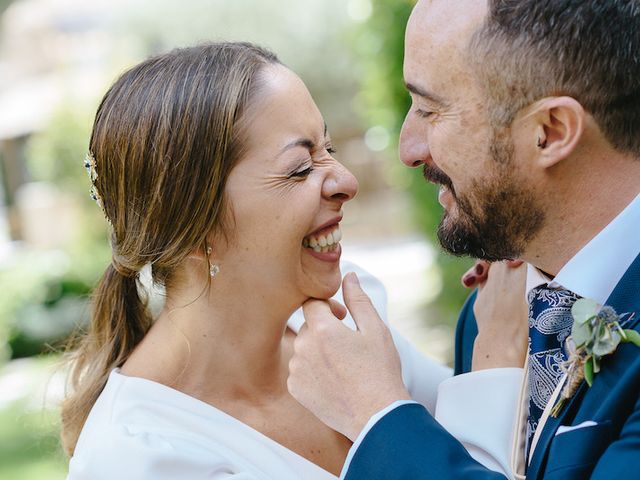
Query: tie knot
552	297
550	311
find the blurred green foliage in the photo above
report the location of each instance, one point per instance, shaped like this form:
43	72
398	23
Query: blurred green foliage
29	443
4	4
45	292
30	446
384	101
56	154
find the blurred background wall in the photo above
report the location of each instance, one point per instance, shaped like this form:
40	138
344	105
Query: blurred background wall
57	57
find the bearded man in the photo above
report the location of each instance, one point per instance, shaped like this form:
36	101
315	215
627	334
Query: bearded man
527	114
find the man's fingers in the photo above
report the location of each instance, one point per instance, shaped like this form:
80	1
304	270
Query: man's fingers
359	304
339	310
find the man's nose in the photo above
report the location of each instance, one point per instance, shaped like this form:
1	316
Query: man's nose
414	149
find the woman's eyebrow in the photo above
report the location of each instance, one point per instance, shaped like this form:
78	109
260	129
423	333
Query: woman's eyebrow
301	142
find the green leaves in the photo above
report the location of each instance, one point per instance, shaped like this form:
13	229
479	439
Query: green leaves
581	333
595	333
588	371
584	310
606	341
631	336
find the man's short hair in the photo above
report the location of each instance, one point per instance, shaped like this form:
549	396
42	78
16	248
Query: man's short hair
585	49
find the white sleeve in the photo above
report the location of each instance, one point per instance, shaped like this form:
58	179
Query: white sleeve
121	454
373	287
421	374
480	410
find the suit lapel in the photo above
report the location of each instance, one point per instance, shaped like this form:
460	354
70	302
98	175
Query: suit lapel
548	432
625	298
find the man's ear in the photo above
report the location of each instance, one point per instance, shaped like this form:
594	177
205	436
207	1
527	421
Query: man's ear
559	126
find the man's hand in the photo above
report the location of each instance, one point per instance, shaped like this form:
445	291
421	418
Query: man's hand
345	377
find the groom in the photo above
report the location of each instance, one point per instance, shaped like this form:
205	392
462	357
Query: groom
527	114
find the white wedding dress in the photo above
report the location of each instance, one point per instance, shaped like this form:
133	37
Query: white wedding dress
142	430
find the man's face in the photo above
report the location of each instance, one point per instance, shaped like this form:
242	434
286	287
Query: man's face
490	209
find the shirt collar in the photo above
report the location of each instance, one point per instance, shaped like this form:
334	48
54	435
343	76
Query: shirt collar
597	268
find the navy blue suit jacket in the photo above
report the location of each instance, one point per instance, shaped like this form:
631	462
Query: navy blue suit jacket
409	444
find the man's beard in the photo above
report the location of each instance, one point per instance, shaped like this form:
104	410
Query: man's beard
499	216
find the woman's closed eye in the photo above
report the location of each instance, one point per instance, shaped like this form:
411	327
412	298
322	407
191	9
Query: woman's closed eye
304	172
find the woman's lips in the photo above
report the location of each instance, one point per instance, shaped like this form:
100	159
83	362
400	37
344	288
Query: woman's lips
325	243
330	256
323	239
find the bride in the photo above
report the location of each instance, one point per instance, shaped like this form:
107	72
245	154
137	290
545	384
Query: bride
214	166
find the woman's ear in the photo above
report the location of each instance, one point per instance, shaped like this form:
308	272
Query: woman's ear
559	127
203	250
197	253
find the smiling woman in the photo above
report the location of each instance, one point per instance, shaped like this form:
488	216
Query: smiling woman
209	161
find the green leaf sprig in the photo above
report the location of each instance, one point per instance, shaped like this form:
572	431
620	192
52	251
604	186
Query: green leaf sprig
596	332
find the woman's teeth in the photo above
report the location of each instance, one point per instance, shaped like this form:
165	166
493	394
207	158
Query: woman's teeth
323	243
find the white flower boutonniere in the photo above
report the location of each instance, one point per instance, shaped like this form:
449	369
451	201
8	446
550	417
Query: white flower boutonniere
595	333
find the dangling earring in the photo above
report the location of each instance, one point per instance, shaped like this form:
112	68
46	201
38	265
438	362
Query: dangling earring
214	269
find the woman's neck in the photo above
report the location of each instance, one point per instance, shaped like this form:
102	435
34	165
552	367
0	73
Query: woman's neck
220	346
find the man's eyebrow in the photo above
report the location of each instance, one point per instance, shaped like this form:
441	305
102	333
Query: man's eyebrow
432	97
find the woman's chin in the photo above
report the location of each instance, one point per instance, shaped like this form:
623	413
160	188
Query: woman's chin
327	287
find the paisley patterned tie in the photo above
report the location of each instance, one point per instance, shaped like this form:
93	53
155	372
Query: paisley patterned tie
550	324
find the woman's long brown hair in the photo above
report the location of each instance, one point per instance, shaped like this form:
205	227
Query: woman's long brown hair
165	137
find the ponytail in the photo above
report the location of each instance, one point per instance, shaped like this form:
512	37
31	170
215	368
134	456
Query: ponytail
119	321
165	138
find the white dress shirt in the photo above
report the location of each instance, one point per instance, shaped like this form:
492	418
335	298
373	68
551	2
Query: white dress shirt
597	268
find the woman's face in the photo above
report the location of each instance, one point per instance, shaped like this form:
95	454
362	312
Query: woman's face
286	194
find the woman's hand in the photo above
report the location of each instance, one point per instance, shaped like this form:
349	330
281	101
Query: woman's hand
501	312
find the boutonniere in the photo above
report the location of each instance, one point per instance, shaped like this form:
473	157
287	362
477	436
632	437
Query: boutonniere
596	332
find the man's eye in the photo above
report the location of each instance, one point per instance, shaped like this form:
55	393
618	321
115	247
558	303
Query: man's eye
302	173
330	149
424	113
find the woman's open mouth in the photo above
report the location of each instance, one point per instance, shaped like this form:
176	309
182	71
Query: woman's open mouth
325	241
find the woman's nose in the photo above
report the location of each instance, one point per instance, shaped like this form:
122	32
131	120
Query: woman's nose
341	185
414	149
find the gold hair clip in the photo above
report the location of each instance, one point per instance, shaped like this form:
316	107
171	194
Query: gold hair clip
90	166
